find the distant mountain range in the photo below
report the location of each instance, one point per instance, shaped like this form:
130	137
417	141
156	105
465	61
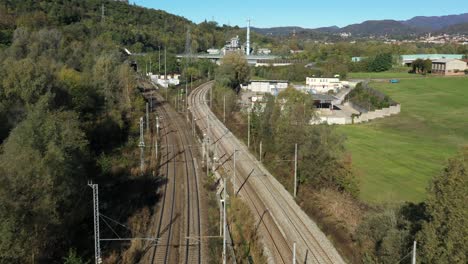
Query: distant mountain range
414	26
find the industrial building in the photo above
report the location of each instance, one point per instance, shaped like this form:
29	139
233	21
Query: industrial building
263	57
324	85
266	86
165	81
449	67
408	59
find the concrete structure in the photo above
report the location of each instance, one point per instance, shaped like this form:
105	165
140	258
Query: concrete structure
255	60
165	81
408	59
449	67
266	86
336	118
264	51
213	51
323	85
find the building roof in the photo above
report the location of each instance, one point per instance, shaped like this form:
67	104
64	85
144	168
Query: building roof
431	56
323	97
445	60
271	81
219	56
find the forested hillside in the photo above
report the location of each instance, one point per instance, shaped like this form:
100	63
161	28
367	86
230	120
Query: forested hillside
68	109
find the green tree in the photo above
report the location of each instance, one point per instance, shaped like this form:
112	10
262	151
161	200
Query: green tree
73	258
42	180
444	237
381	62
233	71
417	65
427	66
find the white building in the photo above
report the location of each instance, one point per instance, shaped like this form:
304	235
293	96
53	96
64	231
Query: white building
266	86
213	51
449	67
165	81
264	51
324	85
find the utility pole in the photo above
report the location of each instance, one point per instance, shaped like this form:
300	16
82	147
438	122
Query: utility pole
185	105
159	60
142	146
97	246
157	136
224	223
103	16
207	155
157	125
211	97
234	180
147	117
261	151
295	170
165	65
224	109
208	132
248	128
413	261
193	125
294	253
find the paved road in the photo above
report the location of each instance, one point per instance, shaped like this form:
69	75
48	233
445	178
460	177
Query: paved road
177	221
281	221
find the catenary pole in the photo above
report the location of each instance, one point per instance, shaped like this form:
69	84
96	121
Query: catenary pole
295	170
97	239
294	253
248	128
261	152
224	223
234	180
224	109
142	146
413	261
147	117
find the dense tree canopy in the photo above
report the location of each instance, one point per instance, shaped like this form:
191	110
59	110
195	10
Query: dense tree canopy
234	70
444	237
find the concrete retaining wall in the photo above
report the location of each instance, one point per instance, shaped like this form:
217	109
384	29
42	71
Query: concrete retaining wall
365	117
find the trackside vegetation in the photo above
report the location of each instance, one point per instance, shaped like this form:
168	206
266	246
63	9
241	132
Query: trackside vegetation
329	186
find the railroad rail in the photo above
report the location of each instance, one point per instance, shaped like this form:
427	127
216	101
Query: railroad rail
178	215
281	221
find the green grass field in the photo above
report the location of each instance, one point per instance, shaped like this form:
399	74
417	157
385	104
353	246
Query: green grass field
396	157
382	75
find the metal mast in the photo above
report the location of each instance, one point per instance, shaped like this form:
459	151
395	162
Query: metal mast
97	247
295	170
247	52
142	146
147	117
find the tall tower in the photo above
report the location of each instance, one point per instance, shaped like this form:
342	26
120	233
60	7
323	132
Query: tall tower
247	52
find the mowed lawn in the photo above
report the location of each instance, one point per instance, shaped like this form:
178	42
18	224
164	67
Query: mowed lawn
396	157
382	75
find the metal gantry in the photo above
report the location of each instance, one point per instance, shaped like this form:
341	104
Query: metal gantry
97	239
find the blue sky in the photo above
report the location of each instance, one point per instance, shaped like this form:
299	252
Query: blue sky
305	13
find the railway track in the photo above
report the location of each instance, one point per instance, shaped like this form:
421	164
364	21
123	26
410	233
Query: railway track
285	223
177	224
